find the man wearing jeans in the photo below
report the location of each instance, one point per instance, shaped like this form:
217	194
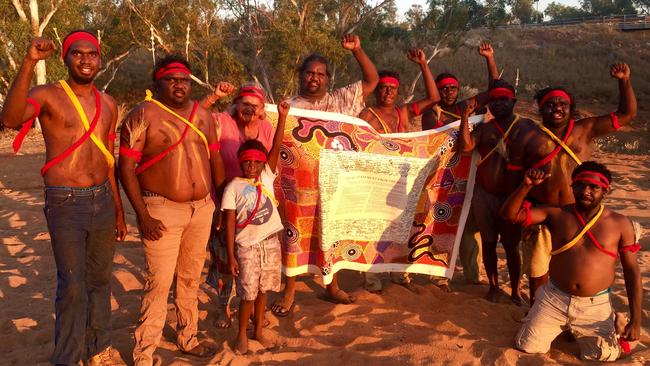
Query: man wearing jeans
169	161
82	205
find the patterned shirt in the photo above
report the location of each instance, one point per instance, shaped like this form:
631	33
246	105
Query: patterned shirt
346	100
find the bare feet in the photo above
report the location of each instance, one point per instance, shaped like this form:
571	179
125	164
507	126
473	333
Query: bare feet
241	347
283	307
494	294
270	343
517	299
339	296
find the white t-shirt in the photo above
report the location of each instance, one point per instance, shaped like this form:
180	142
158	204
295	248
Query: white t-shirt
240	195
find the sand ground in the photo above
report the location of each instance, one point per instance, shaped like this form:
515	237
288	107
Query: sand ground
424	327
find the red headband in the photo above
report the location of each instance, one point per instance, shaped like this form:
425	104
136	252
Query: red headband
172	68
497	93
584	177
251	88
251	154
244	93
389	80
447	81
553	94
78	36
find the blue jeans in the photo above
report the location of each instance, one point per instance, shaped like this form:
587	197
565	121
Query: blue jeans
81	222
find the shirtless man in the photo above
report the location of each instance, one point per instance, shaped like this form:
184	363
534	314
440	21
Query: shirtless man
385	116
82	204
314	77
491	139
449	109
169	162
587	239
558	146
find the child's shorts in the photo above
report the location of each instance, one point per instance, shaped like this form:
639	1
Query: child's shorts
260	268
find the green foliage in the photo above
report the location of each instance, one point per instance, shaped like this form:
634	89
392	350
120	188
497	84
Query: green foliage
557	11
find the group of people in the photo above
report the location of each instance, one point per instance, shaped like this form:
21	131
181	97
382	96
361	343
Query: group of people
193	176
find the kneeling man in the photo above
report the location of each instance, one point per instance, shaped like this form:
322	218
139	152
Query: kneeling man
587	239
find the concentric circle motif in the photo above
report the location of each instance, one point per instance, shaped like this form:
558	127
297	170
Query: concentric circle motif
286	156
442	211
351	252
389	145
293	235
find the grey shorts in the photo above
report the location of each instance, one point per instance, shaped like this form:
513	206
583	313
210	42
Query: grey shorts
260	268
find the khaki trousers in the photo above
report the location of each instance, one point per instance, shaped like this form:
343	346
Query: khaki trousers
181	252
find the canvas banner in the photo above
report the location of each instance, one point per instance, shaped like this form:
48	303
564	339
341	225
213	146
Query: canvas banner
351	198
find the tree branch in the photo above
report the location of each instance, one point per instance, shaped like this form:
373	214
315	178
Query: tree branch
49	16
20	10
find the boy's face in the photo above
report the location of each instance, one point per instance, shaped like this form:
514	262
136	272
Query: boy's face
251	168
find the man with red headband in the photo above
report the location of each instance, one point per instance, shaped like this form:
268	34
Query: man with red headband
491	140
386	116
169	163
449	109
558	145
253	227
82	202
587	241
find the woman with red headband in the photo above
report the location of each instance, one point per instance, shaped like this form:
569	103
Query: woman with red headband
253	227
243	121
386	116
558	145
587	241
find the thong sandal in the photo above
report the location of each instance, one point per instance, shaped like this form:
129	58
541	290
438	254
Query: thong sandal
281	311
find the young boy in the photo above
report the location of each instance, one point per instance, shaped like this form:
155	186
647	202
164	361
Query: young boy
253	224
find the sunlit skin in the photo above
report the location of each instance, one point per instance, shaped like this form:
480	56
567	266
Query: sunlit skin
584	270
60	123
314	80
448	95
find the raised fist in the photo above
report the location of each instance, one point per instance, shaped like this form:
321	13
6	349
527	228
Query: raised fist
535	177
620	71
222	89
417	55
351	42
283	108
469	107
485	50
40	49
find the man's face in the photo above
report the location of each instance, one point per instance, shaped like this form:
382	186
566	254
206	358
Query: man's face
314	80
502	107
83	61
386	94
174	89
588	195
251	168
247	109
448	95
555	111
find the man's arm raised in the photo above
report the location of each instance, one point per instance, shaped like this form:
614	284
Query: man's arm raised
132	141
221	90
627	105
370	80
467	140
16	110
433	96
274	154
517	210
633	285
487	52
